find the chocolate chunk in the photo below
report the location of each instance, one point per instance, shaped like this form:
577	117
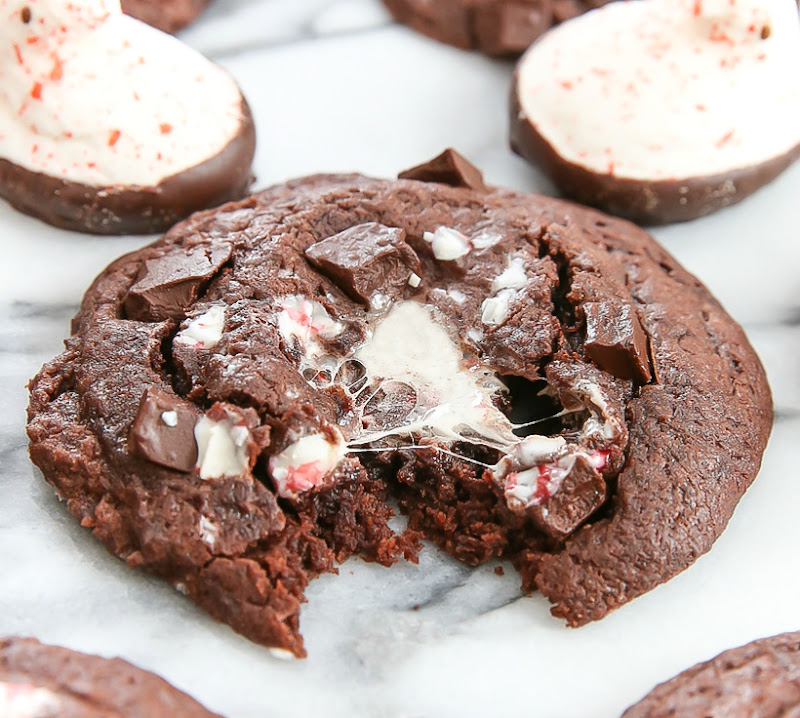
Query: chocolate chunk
507	29
615	340
448	168
163	431
366	260
579	496
169	284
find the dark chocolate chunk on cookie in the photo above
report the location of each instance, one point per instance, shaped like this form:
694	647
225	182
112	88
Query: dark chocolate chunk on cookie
366	260
525	378
448	168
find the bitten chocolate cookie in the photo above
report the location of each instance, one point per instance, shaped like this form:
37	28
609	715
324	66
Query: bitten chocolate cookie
38	681
760	679
499	28
529	380
637	108
158	133
166	15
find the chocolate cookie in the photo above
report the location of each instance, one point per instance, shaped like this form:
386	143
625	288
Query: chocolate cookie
38	681
636	108
528	379
499	28
760	679
166	15
161	132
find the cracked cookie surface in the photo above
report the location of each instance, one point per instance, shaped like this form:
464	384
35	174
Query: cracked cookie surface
242	402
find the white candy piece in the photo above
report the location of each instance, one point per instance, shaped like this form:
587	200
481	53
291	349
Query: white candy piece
299	317
22	700
208	531
170	418
205	331
304	464
495	310
221	448
512	277
447	243
90	95
665	81
414	280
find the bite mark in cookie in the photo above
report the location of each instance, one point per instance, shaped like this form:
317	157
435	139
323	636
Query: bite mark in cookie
336	388
666	137
159	133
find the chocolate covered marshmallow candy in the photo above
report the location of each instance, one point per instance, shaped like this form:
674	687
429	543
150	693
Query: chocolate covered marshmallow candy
110	126
663	110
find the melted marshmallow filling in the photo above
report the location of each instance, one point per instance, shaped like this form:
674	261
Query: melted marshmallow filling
675	88
429	391
93	96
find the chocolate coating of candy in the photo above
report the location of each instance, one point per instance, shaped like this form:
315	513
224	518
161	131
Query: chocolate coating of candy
499	28
134	210
166	15
152	436
84	686
760	679
645	202
449	168
366	259
168	285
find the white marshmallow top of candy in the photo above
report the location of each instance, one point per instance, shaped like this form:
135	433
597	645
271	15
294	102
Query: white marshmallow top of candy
90	95
668	89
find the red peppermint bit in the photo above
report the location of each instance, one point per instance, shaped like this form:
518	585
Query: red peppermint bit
32	40
701	108
698	7
762	56
600	459
165	128
35	149
67	134
18	53
566	84
91	165
512	480
136	96
298	315
158	156
722	141
113	137
36	91
542	492
304	477
58	70
611	168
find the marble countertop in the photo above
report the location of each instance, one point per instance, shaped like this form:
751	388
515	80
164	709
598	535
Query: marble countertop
335	86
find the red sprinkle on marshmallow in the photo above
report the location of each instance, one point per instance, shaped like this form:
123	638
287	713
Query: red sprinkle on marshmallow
113	137
36	91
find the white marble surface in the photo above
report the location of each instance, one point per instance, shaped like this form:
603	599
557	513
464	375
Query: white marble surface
335	86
